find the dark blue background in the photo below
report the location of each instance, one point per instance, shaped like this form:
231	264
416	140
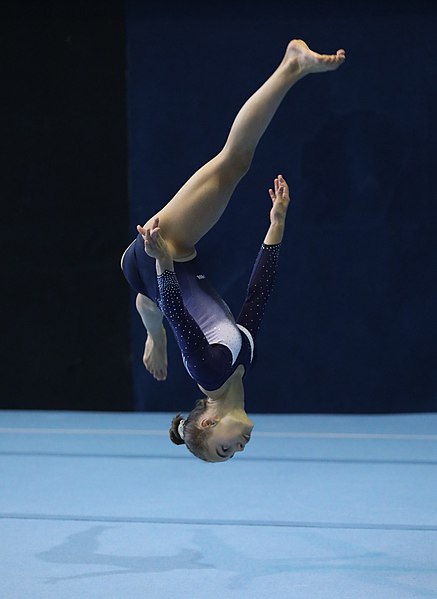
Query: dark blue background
351	326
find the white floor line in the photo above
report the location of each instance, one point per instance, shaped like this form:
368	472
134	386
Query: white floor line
264	434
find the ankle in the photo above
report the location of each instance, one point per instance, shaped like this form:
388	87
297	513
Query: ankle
291	71
157	333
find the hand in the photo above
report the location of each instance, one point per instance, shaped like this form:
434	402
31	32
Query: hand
154	245
280	199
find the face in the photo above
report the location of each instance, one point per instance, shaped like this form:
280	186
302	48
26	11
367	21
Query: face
227	437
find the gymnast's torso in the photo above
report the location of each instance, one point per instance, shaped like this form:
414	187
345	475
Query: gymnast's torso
212	342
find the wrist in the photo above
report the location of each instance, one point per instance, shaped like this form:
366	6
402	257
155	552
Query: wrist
275	233
164	263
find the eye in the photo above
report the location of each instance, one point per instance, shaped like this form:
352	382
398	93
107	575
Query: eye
225	449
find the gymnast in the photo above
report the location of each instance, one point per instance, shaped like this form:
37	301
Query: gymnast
161	265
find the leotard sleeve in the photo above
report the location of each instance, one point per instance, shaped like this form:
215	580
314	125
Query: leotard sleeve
260	287
205	363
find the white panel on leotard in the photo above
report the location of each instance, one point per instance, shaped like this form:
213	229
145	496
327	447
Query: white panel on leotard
249	336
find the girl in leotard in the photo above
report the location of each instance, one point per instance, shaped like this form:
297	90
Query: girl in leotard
162	267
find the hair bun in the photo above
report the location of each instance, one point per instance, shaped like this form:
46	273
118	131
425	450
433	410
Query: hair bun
173	432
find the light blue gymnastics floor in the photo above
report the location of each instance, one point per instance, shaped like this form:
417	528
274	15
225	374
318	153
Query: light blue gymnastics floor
102	505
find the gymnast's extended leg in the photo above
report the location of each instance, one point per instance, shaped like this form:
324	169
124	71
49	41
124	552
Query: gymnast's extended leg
198	205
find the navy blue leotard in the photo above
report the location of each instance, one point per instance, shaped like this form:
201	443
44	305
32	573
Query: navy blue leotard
213	344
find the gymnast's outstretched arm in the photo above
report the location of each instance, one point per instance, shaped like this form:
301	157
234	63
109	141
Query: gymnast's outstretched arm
263	274
280	197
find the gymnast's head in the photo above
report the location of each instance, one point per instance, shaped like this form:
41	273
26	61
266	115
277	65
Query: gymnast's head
212	432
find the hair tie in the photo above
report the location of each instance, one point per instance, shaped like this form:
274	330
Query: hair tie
181	427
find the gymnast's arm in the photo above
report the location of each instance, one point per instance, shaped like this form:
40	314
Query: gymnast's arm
280	197
264	271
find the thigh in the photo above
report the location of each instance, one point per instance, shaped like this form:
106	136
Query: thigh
198	205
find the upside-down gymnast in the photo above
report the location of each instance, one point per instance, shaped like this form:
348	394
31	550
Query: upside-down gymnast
162	267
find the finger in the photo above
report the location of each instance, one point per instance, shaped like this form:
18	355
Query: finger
272	195
154	234
276	185
141	230
283	182
156	223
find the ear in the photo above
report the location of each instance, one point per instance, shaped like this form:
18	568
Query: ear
208	422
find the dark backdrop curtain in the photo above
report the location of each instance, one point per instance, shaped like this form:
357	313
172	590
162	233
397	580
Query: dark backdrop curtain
65	331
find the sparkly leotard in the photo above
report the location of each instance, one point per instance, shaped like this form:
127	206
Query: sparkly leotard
212	343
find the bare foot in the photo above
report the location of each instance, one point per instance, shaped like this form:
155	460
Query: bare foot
155	356
312	62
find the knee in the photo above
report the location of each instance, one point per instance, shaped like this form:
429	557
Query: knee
145	304
238	161
244	161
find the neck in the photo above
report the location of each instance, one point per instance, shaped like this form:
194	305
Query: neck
228	401
230	397
233	397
